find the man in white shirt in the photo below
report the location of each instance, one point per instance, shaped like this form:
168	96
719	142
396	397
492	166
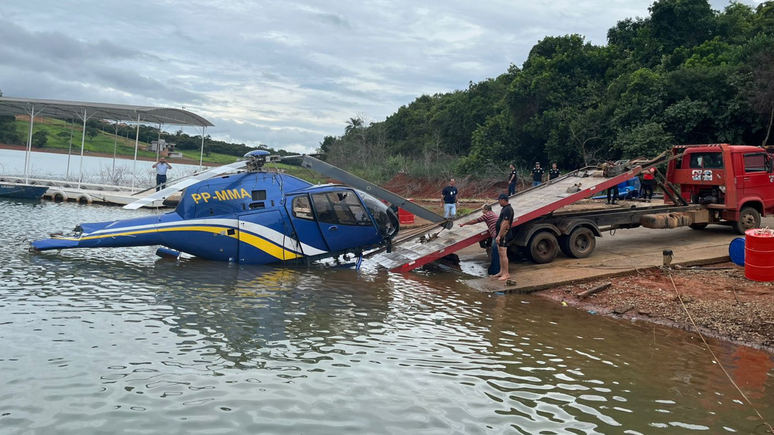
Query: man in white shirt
161	173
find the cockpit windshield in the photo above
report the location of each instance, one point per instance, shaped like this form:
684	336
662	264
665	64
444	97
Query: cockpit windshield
384	217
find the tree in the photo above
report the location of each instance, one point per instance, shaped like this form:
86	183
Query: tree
39	139
761	92
91	132
353	124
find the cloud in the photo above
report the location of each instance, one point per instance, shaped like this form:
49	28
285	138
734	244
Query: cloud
284	73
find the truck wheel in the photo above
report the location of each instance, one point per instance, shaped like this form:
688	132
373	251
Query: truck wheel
543	247
749	218
579	244
698	226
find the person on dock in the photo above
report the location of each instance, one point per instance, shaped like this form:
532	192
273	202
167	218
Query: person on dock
553	172
490	218
648	180
449	197
537	175
161	173
512	179
504	223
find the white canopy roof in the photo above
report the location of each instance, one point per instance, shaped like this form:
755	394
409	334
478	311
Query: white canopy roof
115	112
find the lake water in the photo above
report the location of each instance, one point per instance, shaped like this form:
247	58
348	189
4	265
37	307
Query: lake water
120	341
99	170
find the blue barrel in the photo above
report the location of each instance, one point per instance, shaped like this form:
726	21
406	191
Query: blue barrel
736	251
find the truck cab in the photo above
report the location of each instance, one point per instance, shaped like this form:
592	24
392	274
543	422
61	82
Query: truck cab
734	182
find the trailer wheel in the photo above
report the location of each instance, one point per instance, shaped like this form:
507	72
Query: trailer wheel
749	218
698	226
543	247
579	244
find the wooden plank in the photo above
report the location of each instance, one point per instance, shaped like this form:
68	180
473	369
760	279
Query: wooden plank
416	251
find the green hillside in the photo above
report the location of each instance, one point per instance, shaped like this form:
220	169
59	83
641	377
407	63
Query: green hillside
58	137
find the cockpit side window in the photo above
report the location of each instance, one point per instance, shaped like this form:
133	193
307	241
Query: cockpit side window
301	208
340	208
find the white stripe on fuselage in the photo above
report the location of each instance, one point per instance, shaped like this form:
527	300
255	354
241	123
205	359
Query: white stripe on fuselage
267	233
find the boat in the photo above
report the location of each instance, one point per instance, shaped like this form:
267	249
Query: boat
23	191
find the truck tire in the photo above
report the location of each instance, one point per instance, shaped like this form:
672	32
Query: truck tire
698	226
543	247
579	244
749	218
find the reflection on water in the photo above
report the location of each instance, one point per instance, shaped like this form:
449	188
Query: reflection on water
120	341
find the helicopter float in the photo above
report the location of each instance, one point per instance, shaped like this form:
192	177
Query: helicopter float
254	217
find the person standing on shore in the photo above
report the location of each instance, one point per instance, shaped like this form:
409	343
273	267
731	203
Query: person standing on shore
553	172
504	223
161	173
491	224
449	197
512	179
537	175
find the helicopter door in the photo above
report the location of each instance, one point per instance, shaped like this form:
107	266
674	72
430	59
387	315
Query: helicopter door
344	222
307	231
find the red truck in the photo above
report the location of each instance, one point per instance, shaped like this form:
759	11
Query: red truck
734	182
705	184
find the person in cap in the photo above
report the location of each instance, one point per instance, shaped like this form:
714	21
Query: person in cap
490	218
504	224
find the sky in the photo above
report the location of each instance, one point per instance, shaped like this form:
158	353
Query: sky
281	73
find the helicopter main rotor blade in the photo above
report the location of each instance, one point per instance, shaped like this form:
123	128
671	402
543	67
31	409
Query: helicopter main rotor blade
166	193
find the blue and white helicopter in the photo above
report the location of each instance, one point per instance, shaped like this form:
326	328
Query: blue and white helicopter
252	217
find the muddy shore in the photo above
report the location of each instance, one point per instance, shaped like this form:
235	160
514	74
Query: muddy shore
723	302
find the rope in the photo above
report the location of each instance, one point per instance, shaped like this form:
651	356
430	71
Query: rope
669	273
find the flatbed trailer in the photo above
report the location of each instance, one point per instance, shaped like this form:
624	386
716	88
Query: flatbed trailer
574	233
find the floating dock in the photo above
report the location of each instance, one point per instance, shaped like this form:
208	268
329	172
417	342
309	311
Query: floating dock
87	193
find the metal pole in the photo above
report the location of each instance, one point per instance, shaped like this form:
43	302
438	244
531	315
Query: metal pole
158	144
83	144
29	148
70	149
136	144
115	147
201	155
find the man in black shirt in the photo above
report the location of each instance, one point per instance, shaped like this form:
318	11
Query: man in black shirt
504	223
537	175
449	196
553	172
512	181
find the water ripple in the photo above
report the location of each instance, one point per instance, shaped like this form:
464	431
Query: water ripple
120	341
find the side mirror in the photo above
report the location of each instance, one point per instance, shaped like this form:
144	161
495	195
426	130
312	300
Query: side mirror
769	166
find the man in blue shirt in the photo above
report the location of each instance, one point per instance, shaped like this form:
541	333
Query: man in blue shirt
449	196
161	173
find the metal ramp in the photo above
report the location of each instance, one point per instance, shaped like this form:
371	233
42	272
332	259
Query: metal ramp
419	248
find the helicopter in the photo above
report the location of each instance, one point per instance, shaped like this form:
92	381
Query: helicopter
250	217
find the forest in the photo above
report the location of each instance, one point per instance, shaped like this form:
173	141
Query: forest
684	74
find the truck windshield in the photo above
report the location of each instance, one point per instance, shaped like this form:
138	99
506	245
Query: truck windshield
706	161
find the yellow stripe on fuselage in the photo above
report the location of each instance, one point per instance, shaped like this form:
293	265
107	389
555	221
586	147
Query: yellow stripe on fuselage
242	236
